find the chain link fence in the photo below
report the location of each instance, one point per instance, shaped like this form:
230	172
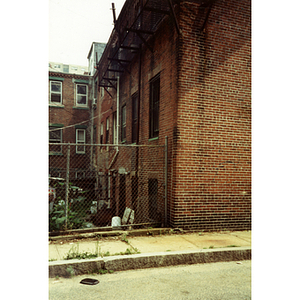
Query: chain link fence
106	186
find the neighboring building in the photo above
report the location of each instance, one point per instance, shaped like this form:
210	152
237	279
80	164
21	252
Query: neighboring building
69	121
70	69
185	72
94	56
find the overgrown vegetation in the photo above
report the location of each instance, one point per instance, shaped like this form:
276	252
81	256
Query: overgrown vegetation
78	208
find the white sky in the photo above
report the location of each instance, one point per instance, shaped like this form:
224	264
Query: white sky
75	24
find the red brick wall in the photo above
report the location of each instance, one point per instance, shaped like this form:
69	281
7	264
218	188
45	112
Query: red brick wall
205	110
68	115
213	154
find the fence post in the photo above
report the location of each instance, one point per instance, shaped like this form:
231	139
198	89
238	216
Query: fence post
166	180
67	184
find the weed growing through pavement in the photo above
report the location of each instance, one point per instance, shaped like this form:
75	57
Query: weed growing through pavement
133	250
124	238
74	253
71	271
101	271
52	259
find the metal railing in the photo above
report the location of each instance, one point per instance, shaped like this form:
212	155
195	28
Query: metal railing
93	185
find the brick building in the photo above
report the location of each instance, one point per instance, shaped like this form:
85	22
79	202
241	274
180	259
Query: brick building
69	121
182	69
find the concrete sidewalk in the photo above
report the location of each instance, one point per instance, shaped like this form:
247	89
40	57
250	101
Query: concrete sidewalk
146	249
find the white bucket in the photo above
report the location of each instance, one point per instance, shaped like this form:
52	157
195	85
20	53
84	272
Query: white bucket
116	222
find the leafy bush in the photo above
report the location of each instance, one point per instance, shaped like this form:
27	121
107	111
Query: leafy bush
78	208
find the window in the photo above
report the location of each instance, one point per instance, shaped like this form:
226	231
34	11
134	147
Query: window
81	94
123	126
66	68
114	132
134	117
107	131
80	139
154	107
55	92
55	136
101	133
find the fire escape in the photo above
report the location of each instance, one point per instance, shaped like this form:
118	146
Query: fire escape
135	26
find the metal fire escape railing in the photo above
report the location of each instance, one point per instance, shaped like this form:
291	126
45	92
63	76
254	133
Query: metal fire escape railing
135	26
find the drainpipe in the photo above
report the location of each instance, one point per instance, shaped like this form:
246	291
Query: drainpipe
118	109
118	125
117	140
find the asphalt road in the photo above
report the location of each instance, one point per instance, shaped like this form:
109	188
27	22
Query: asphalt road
224	280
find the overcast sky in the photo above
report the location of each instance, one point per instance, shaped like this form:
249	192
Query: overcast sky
75	24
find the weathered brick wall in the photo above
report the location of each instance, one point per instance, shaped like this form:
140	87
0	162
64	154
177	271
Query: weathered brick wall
205	110
213	154
68	114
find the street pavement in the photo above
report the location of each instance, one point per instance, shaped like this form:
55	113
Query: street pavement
221	280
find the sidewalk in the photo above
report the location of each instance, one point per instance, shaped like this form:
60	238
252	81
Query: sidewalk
149	243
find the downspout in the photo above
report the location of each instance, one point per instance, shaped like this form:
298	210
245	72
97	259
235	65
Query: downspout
138	120
118	125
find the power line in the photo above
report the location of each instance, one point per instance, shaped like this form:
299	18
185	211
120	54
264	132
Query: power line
73	124
79	123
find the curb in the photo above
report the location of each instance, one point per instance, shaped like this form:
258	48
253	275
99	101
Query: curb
147	260
96	234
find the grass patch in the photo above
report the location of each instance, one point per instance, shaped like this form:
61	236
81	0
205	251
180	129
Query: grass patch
233	246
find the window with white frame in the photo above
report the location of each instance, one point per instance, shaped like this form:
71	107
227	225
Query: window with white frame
56	92
80	139
55	137
81	94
